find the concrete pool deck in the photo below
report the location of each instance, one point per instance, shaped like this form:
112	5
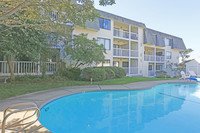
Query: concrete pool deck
42	97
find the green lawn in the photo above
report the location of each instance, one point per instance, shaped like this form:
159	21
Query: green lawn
22	87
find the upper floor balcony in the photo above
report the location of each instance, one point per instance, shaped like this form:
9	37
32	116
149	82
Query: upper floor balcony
119	52
154	58
124	34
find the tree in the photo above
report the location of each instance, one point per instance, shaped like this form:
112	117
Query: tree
65	11
84	51
56	17
21	42
185	54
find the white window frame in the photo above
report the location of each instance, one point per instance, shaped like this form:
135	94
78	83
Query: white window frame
104	42
168	57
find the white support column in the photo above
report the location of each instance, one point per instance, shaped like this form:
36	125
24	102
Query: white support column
165	61
154	60
129	57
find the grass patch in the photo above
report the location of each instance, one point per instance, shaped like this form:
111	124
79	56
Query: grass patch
18	88
28	86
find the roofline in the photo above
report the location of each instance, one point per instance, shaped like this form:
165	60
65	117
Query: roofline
122	17
164	33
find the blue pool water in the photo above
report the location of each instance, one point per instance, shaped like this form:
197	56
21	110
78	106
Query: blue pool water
166	108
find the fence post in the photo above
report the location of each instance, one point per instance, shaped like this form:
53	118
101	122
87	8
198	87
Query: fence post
18	68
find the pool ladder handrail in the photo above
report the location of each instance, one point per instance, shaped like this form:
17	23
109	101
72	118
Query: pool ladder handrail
6	115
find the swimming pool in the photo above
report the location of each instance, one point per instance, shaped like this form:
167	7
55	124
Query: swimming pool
166	108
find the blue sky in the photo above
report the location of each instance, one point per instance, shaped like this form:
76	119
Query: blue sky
176	17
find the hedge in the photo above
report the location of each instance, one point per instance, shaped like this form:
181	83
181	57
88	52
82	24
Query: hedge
102	73
95	74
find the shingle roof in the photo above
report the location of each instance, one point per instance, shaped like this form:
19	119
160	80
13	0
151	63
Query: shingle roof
93	24
177	43
121	19
148	33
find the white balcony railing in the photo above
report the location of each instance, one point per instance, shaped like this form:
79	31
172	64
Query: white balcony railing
152	58
133	70
134	53
125	34
151	73
26	68
160	58
149	57
124	52
121	52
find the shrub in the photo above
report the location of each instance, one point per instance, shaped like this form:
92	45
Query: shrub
110	74
162	74
72	73
96	74
102	73
119	72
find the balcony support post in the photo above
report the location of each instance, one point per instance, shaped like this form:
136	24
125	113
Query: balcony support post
129	50
154	61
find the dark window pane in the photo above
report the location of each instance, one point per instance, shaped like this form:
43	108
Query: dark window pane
104	24
101	23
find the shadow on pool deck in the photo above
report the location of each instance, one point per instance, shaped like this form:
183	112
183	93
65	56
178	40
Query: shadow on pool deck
42	97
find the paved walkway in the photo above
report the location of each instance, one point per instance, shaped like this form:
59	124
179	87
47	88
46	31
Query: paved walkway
42	97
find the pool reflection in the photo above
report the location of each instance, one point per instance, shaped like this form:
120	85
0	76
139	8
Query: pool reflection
162	109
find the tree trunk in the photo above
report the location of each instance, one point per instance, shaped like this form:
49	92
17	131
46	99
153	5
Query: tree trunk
12	77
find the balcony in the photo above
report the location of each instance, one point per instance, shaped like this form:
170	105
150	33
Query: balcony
124	52
134	53
120	52
149	57
160	58
133	70
124	34
151	73
152	58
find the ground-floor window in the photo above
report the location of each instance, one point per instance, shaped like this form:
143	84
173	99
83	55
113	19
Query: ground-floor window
116	63
125	64
105	42
159	67
150	67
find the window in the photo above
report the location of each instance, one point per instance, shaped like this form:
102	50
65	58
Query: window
116	32
105	42
116	63
125	64
106	63
80	2
159	53
116	46
168	42
150	67
168	55
159	67
104	23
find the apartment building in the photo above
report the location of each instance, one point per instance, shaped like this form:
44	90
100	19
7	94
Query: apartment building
131	45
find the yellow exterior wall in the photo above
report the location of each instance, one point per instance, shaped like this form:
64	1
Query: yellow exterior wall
102	33
142	65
